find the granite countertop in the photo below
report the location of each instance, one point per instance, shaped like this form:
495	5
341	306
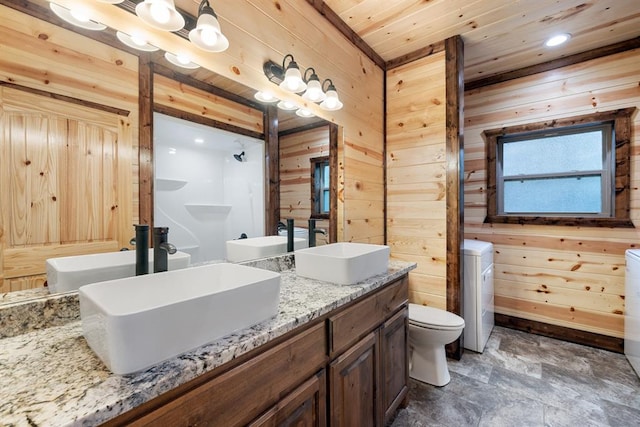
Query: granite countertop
50	377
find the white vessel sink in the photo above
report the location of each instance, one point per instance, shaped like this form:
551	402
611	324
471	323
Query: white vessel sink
260	247
342	263
69	273
137	322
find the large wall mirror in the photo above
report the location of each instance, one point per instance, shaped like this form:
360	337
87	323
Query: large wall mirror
81	192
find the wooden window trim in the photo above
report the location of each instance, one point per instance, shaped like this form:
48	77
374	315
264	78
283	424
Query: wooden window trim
314	212
622	123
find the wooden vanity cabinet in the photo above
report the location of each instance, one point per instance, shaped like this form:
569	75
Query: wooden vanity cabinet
369	380
347	368
303	407
394	361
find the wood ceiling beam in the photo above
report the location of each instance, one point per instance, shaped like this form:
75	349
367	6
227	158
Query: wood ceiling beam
342	26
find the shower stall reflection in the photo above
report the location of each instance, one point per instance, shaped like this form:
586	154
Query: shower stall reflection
205	192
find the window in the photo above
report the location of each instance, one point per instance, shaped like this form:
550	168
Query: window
570	172
320	178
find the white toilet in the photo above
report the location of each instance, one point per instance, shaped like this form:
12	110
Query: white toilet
430	329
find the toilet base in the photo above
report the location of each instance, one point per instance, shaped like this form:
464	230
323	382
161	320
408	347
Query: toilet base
429	365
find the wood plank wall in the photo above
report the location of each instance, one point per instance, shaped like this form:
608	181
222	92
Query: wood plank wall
566	276
416	175
184	98
96	81
296	150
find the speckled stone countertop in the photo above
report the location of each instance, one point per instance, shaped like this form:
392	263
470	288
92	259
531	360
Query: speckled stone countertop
50	377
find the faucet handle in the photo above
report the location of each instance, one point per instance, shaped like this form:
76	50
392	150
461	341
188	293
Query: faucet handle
169	247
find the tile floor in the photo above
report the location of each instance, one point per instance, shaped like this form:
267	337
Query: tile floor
528	380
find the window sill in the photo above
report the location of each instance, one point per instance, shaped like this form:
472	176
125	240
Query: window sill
565	221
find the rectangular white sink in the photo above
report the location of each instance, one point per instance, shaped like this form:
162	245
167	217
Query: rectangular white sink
137	322
260	247
342	263
69	273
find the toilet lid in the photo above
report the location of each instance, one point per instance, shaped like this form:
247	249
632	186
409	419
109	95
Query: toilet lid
434	318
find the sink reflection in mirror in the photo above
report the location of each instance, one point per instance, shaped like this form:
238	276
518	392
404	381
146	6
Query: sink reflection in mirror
69	273
260	247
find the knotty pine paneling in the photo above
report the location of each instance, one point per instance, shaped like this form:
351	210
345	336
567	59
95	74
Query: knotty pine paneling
566	276
68	187
182	97
296	150
416	175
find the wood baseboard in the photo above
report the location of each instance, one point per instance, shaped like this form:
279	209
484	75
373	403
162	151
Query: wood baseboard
590	339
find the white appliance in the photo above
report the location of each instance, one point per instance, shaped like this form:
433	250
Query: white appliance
632	309
478	294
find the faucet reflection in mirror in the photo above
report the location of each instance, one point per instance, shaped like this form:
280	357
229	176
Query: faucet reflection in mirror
142	249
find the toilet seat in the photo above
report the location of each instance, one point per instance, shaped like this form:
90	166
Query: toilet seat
433	318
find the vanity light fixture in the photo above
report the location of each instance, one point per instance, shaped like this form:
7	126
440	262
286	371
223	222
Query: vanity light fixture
160	14
310	84
331	102
76	16
180	61
135	42
557	40
265	96
304	113
293	81
314	92
207	34
287	106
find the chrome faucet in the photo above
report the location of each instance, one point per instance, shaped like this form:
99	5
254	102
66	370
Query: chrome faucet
313	231
161	249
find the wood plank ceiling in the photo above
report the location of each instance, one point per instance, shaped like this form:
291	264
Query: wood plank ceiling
499	35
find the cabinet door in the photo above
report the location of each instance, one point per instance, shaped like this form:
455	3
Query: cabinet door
304	407
394	362
354	382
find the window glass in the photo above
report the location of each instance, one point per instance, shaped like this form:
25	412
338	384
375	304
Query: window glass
563	172
554	195
568	152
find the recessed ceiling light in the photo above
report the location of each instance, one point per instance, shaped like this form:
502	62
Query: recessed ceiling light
557	40
76	16
198	140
